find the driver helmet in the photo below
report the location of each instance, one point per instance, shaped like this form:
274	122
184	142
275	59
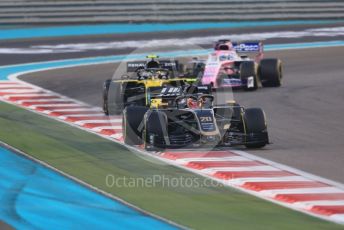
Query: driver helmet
152	64
192	103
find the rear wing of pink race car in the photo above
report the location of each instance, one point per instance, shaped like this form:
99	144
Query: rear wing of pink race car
250	47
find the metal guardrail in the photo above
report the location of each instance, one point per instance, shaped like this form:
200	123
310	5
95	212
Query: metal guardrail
92	11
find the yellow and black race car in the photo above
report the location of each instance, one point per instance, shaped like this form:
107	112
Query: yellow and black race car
136	85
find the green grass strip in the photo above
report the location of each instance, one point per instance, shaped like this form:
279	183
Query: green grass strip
91	158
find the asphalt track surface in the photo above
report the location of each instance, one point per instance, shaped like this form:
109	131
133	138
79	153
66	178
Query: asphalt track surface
304	115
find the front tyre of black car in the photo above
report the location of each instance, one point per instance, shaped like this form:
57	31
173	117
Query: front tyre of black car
155	131
255	124
132	124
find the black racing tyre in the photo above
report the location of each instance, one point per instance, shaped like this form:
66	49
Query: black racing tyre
255	123
249	69
156	131
132	124
271	72
106	86
115	98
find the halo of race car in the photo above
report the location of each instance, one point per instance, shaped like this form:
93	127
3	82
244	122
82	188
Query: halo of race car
165	104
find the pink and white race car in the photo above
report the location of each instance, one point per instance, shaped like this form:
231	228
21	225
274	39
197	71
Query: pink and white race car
230	66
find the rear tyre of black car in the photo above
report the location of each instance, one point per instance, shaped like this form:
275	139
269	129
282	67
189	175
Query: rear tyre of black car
256	128
132	124
113	100
249	69
156	134
271	72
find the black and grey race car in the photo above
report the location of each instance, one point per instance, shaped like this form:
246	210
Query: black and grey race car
186	117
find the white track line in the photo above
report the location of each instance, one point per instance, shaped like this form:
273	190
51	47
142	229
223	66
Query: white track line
98	121
27	95
49	111
9	83
81	115
17	86
117	135
76	110
42	100
310	204
54	105
19	91
239	169
51	105
241	181
274	192
100	128
339	218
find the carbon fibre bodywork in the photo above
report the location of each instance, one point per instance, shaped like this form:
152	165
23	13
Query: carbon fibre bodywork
218	126
188	118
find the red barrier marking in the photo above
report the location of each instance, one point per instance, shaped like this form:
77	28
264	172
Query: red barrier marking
211	164
46	103
110	131
234	175
85	118
292	198
63	113
51	108
28	92
180	155
259	186
328	210
94	125
18	98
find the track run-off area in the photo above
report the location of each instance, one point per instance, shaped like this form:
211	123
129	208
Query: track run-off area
301	137
34	196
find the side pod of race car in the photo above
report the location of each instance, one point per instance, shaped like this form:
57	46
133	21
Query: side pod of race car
190	119
230	66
